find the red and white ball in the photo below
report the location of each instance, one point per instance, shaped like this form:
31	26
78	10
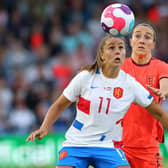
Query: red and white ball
117	19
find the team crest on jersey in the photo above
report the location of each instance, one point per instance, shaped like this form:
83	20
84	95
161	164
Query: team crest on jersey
150	80
118	92
63	154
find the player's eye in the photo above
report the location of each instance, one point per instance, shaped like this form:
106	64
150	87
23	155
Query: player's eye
147	37
137	35
112	47
121	47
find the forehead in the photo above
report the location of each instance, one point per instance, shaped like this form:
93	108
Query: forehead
114	41
143	29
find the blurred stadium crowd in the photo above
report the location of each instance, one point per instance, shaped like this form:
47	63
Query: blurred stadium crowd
43	43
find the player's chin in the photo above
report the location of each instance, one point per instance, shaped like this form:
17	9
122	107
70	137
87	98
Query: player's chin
117	62
141	51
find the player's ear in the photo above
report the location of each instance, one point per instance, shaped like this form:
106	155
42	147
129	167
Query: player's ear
101	56
154	44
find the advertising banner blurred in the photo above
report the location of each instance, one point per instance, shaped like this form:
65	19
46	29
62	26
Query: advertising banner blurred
15	152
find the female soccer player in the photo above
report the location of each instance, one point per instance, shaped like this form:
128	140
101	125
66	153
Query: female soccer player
142	132
103	94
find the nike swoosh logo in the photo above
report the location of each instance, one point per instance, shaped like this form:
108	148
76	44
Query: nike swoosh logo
93	87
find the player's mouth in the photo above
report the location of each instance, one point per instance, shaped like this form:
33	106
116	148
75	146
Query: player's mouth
117	60
141	47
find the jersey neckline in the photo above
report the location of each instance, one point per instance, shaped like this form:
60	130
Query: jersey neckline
141	64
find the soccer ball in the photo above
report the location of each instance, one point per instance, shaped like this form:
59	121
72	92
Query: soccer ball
117	19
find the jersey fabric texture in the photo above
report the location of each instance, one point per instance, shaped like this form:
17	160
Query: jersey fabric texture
140	129
101	103
148	158
82	157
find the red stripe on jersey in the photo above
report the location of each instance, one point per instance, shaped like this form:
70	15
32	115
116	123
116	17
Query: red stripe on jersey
84	105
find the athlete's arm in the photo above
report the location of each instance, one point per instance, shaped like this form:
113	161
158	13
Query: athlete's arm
52	115
163	91
157	92
69	95
164	86
157	112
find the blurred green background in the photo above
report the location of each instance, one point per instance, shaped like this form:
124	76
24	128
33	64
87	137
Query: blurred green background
16	153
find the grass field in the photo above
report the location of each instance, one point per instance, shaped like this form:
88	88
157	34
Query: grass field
165	164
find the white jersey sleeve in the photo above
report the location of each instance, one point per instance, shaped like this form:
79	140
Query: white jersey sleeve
73	90
142	96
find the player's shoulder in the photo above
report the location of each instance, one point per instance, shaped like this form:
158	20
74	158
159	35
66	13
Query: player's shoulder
84	74
157	62
128	81
126	76
127	63
127	60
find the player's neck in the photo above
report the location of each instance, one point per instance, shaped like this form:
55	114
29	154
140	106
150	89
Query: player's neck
141	59
111	73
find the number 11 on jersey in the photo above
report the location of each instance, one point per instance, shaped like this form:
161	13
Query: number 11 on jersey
101	102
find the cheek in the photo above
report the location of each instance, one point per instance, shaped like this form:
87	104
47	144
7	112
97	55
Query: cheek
124	53
108	55
152	46
133	43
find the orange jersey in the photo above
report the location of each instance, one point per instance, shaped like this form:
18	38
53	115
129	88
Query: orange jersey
140	128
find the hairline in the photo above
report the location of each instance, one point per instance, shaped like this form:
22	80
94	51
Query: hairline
146	25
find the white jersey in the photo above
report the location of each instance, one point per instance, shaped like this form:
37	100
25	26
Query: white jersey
101	103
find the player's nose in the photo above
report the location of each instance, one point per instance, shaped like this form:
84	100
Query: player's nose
117	51
142	40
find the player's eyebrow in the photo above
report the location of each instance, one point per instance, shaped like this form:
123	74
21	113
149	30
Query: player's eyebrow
112	43
146	32
137	31
121	43
149	33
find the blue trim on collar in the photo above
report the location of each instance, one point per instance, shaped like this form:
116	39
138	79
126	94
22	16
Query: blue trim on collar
97	71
